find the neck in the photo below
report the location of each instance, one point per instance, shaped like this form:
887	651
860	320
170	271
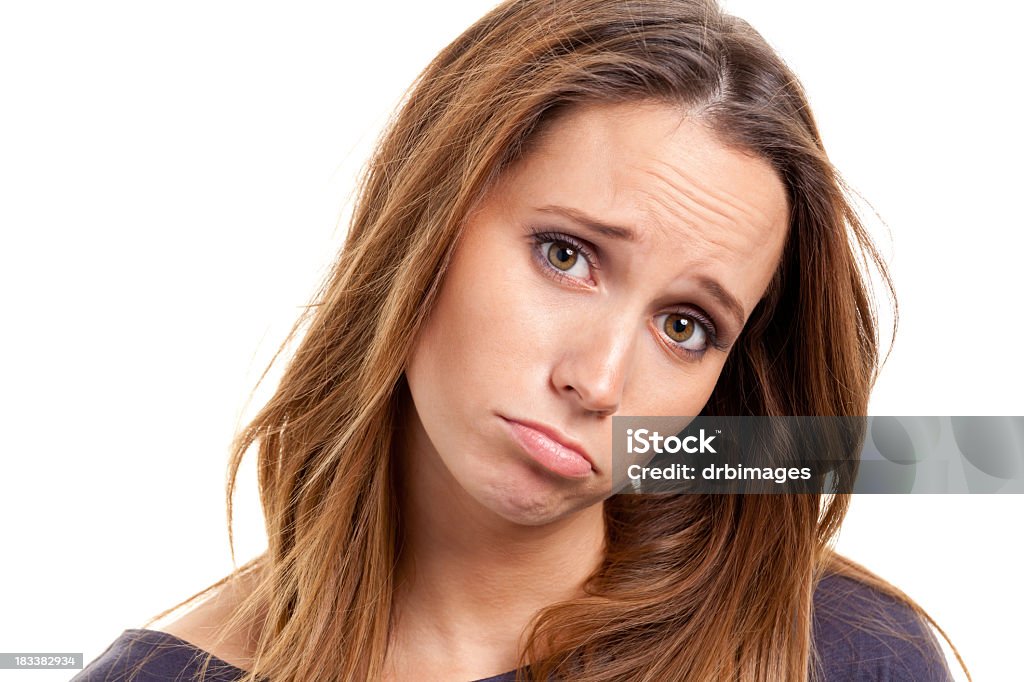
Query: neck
459	558
468	577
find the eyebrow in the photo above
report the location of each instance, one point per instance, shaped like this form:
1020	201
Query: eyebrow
711	285
727	300
595	225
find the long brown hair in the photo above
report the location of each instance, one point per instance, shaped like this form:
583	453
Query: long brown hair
692	587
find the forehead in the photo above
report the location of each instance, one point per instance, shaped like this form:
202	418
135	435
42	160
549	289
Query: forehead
653	170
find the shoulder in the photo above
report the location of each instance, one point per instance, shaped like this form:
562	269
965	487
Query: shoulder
862	633
140	655
180	649
201	627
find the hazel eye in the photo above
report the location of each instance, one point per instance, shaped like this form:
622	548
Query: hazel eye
686	331
564	257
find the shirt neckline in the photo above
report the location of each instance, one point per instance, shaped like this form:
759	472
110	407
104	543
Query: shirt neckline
160	634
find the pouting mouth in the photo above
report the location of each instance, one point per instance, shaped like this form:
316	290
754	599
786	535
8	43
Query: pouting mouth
557	436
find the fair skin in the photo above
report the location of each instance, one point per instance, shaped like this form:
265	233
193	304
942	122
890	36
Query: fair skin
536	329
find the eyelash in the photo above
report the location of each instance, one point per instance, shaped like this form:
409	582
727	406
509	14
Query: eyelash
541	237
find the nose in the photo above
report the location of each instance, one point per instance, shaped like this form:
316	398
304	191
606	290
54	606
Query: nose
595	365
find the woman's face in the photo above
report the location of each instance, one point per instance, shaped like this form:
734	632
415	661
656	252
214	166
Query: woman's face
547	319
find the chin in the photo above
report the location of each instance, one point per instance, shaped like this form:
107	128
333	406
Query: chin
532	498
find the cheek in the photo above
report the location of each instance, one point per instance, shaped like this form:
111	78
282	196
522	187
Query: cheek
500	322
681	391
477	339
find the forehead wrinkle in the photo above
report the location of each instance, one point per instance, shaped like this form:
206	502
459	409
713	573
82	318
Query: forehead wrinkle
710	204
696	220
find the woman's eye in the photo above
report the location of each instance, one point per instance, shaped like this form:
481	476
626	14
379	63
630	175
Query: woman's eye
685	331
564	257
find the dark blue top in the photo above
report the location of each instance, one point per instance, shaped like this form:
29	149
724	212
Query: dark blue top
853	628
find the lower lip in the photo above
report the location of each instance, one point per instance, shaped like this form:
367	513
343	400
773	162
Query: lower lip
549	454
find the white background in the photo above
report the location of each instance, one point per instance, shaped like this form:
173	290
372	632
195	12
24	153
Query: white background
173	183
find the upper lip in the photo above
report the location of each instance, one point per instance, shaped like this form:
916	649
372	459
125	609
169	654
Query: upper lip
557	436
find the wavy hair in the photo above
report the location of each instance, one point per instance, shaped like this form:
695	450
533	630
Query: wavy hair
692	587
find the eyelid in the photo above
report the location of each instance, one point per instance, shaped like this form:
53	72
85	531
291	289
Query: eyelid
710	330
676	348
706	327
589	252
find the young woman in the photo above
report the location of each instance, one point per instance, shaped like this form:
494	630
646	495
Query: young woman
585	208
